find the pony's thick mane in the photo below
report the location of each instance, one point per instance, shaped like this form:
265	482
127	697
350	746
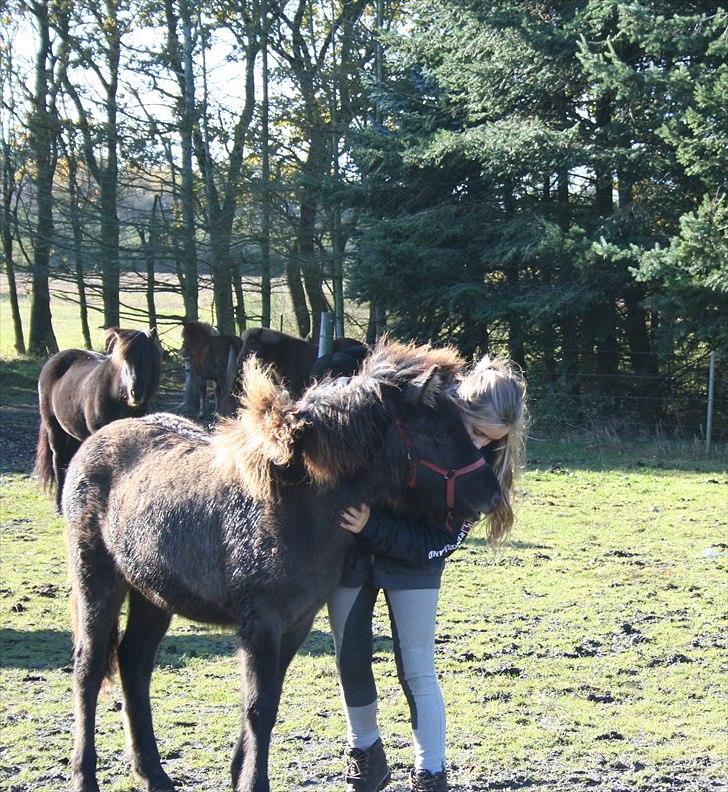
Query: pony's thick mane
338	425
261	436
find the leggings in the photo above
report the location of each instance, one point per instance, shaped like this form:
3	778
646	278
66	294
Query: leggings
412	617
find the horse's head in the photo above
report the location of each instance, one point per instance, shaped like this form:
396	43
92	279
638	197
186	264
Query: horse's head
138	358
393	434
193	334
359	436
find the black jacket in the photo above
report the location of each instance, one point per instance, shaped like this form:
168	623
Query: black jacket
395	553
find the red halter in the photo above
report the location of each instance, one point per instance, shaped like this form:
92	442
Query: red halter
415	461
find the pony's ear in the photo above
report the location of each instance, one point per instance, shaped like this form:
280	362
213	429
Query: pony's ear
152	333
424	389
111	336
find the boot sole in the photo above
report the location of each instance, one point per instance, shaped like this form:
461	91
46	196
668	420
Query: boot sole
386	781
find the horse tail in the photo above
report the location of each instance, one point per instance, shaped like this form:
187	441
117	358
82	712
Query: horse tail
44	461
229	401
112	657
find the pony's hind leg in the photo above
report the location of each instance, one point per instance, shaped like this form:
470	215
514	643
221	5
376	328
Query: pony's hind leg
97	598
145	628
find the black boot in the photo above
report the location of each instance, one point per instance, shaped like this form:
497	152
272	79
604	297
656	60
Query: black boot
425	781
367	771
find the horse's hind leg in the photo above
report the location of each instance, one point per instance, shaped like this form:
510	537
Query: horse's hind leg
97	597
218	397
145	628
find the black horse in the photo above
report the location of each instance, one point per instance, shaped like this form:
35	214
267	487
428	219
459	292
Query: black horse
81	391
240	528
293	361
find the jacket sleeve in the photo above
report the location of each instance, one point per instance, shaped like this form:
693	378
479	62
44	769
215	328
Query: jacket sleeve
407	540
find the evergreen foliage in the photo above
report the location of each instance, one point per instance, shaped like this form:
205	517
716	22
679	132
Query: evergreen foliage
550	183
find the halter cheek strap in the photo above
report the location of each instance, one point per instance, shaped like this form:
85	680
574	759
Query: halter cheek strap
450	476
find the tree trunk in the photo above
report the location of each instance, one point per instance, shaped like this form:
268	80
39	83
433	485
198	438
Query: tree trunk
151	252
568	323
240	317
187	115
109	174
605	315
41	127
265	288
8	187
77	246
310	263
298	295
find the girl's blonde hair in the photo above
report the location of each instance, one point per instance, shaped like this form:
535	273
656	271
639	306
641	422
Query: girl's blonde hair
494	392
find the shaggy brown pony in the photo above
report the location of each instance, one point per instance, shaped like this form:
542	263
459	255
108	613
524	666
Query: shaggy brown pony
81	391
240	528
208	352
291	359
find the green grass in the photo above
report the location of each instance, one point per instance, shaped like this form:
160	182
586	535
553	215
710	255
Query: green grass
588	649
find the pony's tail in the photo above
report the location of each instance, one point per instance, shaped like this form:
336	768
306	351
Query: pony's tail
43	469
112	658
229	400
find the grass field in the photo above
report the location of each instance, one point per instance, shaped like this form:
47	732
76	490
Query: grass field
585	654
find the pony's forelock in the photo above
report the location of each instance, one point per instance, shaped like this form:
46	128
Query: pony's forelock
399	364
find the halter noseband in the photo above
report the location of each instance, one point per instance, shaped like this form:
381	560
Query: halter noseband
415	461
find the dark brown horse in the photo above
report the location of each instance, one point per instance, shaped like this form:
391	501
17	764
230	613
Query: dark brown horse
291	360
81	391
240	528
208	351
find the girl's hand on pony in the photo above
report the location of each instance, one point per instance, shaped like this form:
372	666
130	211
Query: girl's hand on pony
354	519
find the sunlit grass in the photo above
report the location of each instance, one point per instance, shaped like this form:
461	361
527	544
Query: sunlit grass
589	647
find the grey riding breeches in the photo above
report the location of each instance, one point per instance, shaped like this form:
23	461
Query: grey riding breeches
412	615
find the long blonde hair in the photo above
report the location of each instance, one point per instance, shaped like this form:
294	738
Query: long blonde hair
494	392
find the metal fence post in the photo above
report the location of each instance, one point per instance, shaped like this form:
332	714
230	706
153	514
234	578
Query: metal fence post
326	334
711	395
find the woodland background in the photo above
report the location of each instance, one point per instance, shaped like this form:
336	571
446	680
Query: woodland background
545	180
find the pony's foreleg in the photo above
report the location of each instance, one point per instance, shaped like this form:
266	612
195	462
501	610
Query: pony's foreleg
291	642
260	655
98	595
202	393
218	397
145	628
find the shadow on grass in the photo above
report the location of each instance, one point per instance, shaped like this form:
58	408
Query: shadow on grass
36	650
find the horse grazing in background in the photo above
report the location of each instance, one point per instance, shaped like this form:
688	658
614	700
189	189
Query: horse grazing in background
291	359
208	352
81	391
240	528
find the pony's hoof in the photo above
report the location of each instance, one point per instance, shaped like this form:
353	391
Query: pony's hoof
161	785
84	786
